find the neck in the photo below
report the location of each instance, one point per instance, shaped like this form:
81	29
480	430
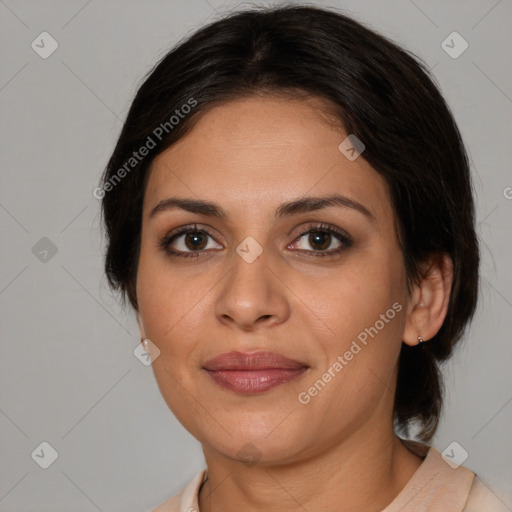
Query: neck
363	472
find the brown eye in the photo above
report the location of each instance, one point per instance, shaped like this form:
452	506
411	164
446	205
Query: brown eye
319	240
195	240
322	240
189	242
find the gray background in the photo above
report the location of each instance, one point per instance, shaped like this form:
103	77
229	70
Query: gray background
68	373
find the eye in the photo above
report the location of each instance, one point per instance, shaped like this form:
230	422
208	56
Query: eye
322	240
188	240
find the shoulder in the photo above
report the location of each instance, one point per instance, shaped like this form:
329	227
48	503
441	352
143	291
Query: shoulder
186	499
171	505
440	485
481	498
436	486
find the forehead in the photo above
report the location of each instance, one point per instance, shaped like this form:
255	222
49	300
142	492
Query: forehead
263	151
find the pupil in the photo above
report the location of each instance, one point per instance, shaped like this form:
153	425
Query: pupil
195	240
320	238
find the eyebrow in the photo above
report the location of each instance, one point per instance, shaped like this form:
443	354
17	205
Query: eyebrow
302	205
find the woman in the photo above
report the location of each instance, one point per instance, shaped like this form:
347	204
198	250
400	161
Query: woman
289	211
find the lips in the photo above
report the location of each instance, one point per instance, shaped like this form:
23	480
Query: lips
251	373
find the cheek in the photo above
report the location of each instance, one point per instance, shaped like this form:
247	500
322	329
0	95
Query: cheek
354	297
168	298
364	307
171	310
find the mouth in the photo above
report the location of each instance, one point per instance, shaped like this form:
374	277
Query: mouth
251	373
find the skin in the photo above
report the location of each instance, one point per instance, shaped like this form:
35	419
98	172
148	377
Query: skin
338	452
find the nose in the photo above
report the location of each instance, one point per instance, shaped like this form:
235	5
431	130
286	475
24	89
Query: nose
252	296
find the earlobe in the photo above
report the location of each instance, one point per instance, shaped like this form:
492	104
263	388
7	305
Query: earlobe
431	300
141	327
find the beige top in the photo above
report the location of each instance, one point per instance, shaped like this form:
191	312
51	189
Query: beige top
434	487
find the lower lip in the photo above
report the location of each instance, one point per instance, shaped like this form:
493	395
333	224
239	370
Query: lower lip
254	381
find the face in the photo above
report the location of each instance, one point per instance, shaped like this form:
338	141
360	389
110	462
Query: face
307	298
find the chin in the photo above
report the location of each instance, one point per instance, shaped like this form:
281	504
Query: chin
258	443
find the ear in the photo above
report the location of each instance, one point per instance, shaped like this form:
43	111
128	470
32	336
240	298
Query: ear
430	299
141	327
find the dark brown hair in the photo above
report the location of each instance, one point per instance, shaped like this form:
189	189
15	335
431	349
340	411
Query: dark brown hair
378	91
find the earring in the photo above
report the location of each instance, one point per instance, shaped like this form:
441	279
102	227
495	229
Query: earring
145	344
420	339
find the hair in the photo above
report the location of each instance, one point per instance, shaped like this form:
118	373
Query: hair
379	92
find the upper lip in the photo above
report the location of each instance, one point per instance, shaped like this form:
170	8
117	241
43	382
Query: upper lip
261	360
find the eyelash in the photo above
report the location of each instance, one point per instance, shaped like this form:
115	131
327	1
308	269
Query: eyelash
342	237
